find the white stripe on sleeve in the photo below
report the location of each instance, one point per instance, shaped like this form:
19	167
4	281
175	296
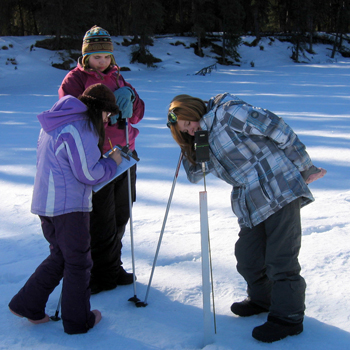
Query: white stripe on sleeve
70	129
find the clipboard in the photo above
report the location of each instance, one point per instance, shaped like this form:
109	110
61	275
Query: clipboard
128	161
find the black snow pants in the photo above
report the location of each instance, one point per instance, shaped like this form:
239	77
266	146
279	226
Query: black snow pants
108	221
267	258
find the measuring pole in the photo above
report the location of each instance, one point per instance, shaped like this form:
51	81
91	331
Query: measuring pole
201	147
206	265
207	315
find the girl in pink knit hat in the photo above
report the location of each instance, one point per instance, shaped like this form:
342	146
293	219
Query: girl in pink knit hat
110	213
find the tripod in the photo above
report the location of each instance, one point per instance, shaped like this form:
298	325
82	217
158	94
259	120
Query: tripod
207	275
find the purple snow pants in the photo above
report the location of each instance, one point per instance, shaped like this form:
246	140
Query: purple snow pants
70	258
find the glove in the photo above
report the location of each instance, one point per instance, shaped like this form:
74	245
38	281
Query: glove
113	119
125	98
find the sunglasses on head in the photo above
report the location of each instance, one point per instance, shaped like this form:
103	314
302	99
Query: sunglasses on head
172	118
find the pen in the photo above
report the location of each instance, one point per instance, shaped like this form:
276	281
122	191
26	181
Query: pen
110	142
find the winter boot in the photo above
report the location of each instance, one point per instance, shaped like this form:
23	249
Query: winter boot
247	308
124	277
98	288
276	329
120	278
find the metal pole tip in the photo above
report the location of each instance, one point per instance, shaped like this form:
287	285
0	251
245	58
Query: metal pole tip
141	304
55	318
134	299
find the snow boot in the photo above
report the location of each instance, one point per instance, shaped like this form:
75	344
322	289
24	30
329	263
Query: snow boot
247	308
125	278
98	288
276	329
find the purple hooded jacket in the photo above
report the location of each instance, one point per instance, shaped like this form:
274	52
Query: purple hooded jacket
69	161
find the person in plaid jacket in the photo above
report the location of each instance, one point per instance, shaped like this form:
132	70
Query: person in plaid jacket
267	165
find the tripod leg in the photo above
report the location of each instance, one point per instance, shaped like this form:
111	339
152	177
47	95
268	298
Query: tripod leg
163	227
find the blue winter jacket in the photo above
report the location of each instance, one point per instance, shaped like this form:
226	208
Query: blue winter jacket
257	153
69	161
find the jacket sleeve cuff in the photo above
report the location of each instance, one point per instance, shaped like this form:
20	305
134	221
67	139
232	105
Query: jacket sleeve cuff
312	170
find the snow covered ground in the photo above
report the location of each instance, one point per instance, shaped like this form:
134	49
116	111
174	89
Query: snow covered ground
313	98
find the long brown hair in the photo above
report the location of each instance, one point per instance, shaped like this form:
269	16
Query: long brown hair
98	98
186	108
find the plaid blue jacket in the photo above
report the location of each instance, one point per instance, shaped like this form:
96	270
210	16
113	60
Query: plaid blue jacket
257	153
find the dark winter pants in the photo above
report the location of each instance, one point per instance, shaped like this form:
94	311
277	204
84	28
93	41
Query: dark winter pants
267	258
107	226
70	258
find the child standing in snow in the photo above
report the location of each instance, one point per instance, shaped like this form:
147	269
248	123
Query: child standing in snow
111	204
268	167
69	163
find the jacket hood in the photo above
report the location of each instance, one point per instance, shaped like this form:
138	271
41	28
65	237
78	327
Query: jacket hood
68	109
214	103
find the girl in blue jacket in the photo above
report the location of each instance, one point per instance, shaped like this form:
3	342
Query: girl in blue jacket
268	167
69	163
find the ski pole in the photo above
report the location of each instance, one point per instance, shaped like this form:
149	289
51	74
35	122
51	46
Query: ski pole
162	230
134	298
55	317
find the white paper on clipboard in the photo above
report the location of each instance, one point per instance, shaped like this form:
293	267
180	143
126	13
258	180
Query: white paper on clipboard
122	167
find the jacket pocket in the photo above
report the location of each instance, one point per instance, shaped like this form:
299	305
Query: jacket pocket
239	206
259	119
264	191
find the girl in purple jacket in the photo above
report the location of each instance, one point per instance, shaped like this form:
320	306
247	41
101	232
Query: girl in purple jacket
110	213
69	163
